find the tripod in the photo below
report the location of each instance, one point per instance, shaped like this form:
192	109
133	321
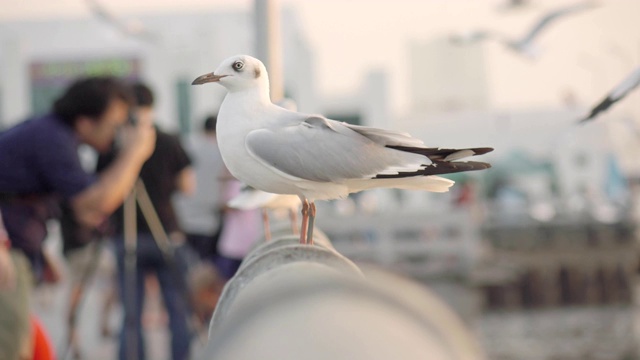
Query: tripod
138	196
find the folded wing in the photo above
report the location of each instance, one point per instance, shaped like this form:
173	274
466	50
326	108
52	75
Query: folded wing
322	150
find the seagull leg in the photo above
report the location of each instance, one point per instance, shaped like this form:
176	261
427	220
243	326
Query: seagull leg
265	222
305	221
293	216
312	219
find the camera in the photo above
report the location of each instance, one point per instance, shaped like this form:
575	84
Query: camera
132	118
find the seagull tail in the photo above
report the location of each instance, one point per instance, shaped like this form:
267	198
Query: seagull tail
443	161
249	200
425	183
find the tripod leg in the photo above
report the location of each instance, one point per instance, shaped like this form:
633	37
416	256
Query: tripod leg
130	276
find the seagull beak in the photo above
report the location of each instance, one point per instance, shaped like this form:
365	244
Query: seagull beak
210	77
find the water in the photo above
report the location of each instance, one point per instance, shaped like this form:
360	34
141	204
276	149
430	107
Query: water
580	333
607	332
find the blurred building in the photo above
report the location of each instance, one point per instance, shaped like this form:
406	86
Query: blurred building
299	75
376	105
38	58
447	77
369	105
540	156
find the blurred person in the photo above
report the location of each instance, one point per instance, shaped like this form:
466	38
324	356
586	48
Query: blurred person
240	230
40	167
219	234
200	213
205	287
82	249
167	170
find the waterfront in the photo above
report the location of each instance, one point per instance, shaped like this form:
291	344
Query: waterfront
571	333
560	333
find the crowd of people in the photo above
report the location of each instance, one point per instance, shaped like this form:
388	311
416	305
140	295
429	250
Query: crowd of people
157	201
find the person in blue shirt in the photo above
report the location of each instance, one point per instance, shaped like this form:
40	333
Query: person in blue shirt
40	168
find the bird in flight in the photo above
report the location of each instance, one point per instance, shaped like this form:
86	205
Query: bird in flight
616	94
524	45
132	28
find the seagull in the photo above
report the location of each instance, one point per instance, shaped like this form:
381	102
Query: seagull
131	28
524	45
250	198
618	93
286	152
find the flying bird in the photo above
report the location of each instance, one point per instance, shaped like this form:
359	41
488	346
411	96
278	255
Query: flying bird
287	152
524	45
132	28
616	94
250	199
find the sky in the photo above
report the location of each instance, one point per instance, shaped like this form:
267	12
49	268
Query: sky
584	55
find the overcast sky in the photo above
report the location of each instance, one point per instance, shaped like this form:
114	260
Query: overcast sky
585	54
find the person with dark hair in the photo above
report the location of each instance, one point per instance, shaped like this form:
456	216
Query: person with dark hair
167	171
209	125
40	167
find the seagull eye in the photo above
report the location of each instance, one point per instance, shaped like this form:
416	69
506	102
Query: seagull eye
238	65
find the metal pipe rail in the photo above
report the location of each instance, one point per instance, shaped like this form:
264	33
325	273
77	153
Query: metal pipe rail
290	301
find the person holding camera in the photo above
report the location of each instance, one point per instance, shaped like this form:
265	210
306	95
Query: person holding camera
40	168
166	172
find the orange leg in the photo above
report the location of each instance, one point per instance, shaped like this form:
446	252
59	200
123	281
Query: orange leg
312	219
265	222
305	222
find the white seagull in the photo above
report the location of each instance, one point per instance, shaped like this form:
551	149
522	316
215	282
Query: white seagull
525	44
620	91
250	199
286	152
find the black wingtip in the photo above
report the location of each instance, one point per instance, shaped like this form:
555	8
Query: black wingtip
435	154
602	106
482	151
440	165
441	168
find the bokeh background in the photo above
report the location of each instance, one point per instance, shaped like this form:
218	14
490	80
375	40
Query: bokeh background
539	255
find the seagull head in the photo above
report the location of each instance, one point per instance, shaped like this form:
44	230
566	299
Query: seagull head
238	73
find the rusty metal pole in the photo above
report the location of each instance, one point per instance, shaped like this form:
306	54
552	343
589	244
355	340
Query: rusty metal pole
268	43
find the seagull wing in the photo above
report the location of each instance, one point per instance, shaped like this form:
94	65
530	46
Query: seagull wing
130	28
249	199
323	150
620	91
385	137
550	17
629	83
102	13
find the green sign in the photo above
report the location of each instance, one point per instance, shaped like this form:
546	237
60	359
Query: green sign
50	78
